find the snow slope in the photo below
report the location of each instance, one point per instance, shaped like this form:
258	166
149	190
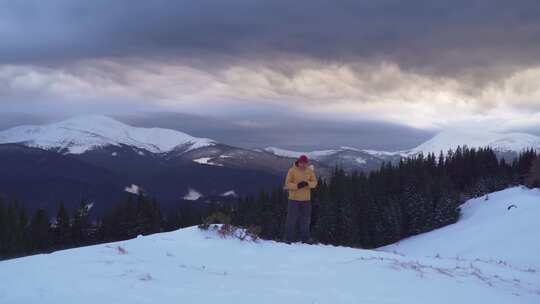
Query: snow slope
206	161
80	134
487	230
501	142
133	189
193	266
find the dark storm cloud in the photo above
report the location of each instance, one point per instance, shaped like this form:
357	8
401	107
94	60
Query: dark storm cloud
426	64
430	35
287	131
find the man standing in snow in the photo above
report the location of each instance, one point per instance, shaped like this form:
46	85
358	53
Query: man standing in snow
299	182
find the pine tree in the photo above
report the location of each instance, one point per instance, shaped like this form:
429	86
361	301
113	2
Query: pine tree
533	178
62	230
156	218
40	234
24	243
15	230
326	230
3	229
80	224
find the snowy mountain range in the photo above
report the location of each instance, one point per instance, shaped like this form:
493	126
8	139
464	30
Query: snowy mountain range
489	256
99	158
81	134
346	157
504	144
87	137
86	133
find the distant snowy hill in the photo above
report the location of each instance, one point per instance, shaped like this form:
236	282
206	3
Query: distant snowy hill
500	142
346	157
504	144
489	256
501	229
80	134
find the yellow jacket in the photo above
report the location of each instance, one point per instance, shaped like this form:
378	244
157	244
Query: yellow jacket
296	175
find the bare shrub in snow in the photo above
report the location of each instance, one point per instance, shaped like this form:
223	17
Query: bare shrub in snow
215	218
121	250
146	277
221	224
229	231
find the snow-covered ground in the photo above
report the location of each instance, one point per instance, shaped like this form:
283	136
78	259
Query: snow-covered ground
193	266
133	189
206	161
229	193
192	195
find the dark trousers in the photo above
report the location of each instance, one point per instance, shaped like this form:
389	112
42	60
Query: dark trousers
298	213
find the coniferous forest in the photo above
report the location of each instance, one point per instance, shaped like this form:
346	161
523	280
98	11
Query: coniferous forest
355	209
371	210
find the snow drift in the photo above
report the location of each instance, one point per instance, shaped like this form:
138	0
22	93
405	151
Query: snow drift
500	227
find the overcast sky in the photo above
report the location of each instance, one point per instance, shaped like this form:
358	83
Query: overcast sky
422	64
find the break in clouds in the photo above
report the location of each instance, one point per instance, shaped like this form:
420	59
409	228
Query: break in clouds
426	64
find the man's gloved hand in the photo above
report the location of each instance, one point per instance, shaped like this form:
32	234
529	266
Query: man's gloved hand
302	184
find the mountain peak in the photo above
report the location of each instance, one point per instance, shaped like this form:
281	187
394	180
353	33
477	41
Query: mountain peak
79	134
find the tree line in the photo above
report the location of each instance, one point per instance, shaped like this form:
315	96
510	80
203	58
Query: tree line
357	209
21	234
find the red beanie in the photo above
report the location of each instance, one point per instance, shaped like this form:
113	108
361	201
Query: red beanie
303	159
